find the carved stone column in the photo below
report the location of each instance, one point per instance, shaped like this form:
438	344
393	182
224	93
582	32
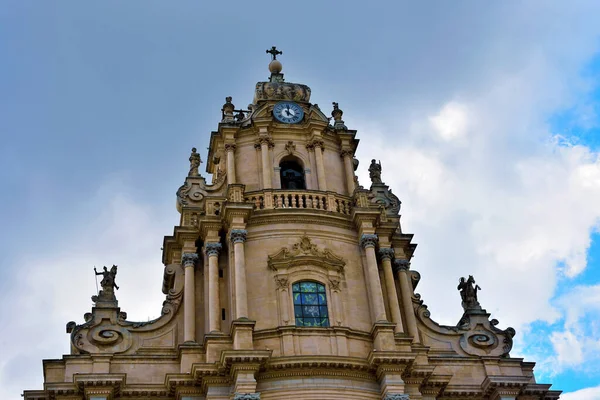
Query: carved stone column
387	254
265	143
246	396
401	266
347	157
230	149
214	316
238	237
368	242
318	147
189	296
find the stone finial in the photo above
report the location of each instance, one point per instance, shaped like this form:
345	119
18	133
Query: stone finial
227	110
195	162
468	293
337	113
368	240
212	249
238	235
189	259
375	171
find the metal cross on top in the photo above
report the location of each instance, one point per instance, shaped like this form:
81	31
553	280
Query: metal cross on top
274	52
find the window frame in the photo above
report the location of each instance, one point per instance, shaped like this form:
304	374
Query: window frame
319	305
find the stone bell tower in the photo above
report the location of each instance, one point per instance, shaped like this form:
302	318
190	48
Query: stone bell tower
287	279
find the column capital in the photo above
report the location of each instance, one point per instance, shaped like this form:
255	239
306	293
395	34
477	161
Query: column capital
189	259
395	396
264	140
238	235
246	396
386	253
315	143
346	153
230	147
212	249
368	240
401	265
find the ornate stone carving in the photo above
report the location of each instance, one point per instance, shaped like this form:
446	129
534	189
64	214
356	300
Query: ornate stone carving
468	293
238	235
195	162
368	240
386	252
281	282
395	396
246	396
108	285
280	90
305	252
212	249
401	265
335	284
290	147
375	171
189	259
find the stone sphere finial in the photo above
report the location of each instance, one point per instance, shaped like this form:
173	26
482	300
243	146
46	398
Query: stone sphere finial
275	67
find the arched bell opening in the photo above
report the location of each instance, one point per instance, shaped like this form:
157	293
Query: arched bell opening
291	173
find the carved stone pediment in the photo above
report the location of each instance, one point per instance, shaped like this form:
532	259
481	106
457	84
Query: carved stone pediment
305	252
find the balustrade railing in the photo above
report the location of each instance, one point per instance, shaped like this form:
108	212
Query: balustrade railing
300	199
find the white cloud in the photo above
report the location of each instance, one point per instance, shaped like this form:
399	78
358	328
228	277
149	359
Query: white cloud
451	122
591	393
52	289
513	205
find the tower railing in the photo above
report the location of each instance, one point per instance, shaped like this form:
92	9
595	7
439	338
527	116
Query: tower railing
299	199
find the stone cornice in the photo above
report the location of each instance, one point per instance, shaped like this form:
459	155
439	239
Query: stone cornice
298	365
377	358
228	357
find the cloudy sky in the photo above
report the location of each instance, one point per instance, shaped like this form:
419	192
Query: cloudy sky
484	115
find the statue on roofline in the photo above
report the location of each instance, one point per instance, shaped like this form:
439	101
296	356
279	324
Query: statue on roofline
108	284
375	171
194	163
468	293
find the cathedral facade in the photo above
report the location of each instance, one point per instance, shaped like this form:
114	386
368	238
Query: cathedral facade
287	279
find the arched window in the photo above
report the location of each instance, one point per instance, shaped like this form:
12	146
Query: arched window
310	304
291	174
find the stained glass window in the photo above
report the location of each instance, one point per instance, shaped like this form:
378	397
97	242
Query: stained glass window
310	304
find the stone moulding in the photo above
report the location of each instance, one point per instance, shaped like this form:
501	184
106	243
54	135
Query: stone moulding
475	334
107	331
305	253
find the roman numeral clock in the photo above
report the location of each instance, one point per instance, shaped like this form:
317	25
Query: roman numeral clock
288	112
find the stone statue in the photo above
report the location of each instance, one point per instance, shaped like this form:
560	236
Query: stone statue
375	171
468	293
194	163
108	284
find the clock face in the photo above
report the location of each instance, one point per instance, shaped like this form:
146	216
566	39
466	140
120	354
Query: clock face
288	112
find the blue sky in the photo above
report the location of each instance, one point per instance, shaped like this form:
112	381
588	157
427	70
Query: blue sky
484	116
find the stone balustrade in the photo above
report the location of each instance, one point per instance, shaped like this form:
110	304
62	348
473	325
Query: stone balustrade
300	199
